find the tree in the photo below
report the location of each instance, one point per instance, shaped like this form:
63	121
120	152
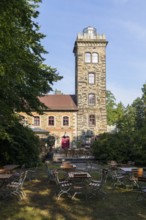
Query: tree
129	142
140	109
23	76
120	109
110	107
126	123
114	111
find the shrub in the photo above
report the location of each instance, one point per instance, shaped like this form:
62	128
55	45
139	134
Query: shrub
22	147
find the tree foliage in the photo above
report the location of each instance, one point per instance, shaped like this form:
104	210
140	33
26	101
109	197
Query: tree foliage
110	107
22	147
23	75
129	142
114	111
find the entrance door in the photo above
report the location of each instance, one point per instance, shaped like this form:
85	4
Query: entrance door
65	142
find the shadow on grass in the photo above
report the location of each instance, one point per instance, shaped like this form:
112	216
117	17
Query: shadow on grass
41	204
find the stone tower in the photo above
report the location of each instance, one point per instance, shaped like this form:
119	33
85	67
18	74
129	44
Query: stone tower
90	83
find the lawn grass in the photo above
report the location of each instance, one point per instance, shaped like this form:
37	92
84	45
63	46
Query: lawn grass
41	203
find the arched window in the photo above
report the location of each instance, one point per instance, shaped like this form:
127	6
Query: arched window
94	57
51	120
92	121
36	121
87	57
91	99
91	78
65	121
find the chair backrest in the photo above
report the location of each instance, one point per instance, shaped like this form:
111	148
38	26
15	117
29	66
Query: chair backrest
52	174
60	176
103	179
104	175
56	178
22	178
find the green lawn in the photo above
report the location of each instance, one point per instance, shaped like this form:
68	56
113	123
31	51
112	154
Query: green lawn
41	204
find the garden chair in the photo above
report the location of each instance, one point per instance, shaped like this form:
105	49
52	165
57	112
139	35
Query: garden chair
118	179
63	184
80	183
52	175
5	180
79	188
32	172
16	186
96	186
125	179
141	188
133	177
17	173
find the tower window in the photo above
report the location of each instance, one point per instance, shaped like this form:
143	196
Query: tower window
91	78
94	57
65	121
91	99
92	120
36	121
51	120
91	58
87	57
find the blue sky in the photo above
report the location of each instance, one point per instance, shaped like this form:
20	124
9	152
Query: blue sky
124	24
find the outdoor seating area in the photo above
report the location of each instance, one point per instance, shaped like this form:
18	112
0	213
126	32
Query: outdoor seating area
80	181
55	186
12	179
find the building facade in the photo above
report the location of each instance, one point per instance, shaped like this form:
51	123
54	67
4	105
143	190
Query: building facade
83	115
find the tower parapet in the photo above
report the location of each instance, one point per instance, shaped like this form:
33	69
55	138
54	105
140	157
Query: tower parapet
90	33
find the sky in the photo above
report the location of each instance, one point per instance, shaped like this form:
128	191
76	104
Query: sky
124	24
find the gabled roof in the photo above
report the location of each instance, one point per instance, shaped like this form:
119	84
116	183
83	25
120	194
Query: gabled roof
59	102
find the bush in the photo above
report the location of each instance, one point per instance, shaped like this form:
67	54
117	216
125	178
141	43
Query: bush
122	147
23	147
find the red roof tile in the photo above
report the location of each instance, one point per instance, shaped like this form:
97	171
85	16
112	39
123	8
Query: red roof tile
59	102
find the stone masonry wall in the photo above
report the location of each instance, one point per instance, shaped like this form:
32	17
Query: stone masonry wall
83	88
